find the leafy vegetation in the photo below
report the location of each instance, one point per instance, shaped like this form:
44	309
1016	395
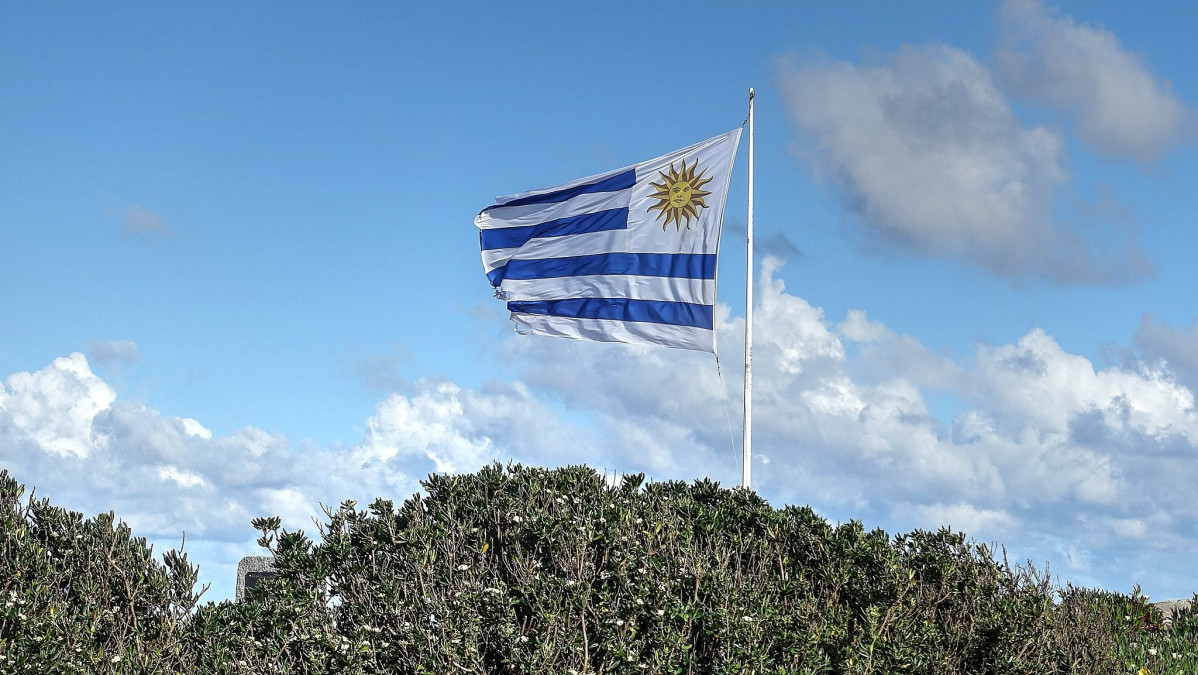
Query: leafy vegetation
526	570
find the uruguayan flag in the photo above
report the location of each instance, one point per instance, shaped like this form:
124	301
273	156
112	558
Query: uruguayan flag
624	256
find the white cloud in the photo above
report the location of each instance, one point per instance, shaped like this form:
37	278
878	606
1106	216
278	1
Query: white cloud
65	432
430	426
193	428
962	517
290	504
55	407
858	328
1036	383
1129	528
927	151
1121	107
1055	457
184	479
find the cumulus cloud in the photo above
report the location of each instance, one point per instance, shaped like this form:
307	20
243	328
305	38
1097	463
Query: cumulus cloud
1050	454
55	408
1064	461
1087	467
927	151
1121	107
64	431
961	516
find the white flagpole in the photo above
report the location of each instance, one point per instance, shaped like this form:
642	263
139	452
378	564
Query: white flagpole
747	456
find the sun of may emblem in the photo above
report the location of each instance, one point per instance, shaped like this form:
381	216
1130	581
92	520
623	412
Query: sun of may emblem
680	196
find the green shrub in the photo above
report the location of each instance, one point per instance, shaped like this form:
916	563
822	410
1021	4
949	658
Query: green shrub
535	571
84	595
527	570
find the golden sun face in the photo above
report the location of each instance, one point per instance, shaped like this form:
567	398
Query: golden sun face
680	195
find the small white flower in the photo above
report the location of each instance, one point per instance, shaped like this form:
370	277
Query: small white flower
639	601
463	568
517	519
1152	652
116	659
747	619
661	612
619	622
524	638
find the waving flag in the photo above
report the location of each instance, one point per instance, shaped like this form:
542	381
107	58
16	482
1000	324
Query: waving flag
624	256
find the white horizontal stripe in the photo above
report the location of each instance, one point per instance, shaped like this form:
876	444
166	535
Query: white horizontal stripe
669	289
608	330
497	257
535	214
591	243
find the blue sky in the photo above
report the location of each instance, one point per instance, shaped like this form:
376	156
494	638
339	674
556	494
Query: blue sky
241	275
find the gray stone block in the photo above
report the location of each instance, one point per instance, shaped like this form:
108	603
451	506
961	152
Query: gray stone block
251	570
1171	607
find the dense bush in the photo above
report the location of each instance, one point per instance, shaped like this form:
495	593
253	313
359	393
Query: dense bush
85	595
524	570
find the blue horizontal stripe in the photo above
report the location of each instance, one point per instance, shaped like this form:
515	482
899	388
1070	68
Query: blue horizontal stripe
680	265
620	181
513	237
620	309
